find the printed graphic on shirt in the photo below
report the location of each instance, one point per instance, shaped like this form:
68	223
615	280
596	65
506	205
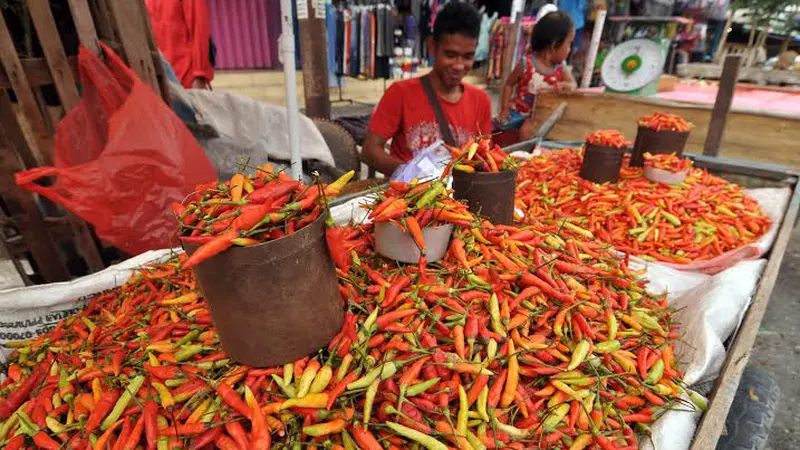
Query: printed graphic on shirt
540	83
423	134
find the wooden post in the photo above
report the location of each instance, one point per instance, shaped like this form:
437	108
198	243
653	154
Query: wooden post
314	57
511	48
723	40
722	105
22	205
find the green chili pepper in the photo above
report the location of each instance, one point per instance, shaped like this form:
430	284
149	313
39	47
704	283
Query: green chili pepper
579	354
416	389
369	399
555	417
656	372
190	336
130	391
427	441
431	194
494	313
607	346
187	351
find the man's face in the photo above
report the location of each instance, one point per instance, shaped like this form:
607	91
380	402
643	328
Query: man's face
454	55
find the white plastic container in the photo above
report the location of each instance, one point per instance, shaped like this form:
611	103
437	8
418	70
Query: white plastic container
664	176
394	243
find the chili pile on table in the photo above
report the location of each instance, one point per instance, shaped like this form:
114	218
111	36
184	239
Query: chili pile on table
696	220
520	337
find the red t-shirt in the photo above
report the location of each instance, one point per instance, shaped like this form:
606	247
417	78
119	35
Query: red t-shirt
405	116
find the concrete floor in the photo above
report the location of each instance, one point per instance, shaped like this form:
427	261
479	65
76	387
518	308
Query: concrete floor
777	348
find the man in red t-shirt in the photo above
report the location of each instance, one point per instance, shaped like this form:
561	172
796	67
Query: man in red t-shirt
404	114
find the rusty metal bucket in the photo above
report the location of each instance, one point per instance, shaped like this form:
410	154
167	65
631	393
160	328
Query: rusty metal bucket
601	164
274	302
656	143
488	194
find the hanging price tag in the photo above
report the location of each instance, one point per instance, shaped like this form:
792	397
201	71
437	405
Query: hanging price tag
302	9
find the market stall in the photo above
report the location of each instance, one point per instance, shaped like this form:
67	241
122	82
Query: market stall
406	319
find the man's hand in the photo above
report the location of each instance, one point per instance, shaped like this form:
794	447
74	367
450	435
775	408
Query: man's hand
201	83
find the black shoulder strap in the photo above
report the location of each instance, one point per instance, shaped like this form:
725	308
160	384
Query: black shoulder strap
433	99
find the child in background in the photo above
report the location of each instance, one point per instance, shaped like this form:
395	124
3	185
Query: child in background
543	69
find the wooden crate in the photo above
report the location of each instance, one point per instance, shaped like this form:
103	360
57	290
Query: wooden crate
38	85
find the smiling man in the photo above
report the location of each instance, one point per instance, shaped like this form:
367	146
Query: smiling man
406	114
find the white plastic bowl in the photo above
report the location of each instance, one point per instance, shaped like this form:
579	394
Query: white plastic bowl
394	243
664	176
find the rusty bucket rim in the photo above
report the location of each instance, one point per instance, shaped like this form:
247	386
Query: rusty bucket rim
476	174
306	229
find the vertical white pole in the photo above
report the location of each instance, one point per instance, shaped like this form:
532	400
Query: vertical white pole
597	33
517	6
292	114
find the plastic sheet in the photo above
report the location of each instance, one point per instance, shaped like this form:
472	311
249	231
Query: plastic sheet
427	163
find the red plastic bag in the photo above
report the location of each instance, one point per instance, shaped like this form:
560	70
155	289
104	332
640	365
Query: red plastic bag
121	158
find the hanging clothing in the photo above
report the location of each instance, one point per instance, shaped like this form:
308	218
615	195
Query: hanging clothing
332	28
355	42
183	33
576	10
500	40
482	51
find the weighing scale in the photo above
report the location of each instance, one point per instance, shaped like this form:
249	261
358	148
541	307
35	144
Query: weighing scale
634	66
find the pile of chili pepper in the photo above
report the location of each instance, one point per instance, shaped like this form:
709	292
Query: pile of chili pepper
671	162
665	122
249	209
607	138
701	218
481	156
519	338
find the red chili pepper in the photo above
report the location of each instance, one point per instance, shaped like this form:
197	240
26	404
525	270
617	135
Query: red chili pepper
238	434
107	401
232	399
394	290
272	190
20	394
218	245
42	440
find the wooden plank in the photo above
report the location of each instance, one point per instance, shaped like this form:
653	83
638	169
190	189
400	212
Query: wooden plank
750	168
163	82
550	122
130	18
749	135
22	89
722	106
755	75
101	15
38	74
31	225
713	421
84	24
54	53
